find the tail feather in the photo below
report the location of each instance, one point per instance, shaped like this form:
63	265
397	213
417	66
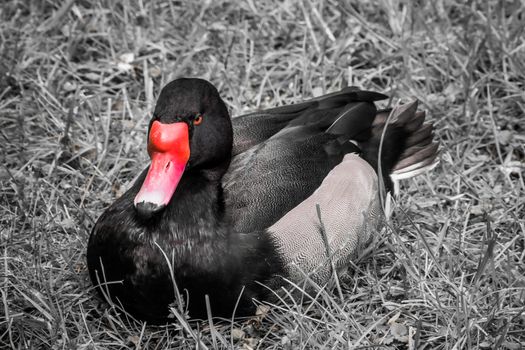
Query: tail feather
381	117
417	155
406	113
421	136
415	123
406	142
410	150
415	169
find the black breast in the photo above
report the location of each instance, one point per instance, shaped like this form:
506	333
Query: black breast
186	245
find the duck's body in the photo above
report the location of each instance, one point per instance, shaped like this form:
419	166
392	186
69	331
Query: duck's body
239	216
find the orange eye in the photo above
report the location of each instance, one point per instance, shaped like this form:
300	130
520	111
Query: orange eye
198	120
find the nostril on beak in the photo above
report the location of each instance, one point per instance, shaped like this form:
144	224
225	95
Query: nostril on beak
146	210
167	166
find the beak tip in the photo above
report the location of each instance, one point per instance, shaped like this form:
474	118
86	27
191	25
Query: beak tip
146	210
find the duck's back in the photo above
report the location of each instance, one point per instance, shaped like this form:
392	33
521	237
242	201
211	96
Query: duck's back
282	155
293	148
255	128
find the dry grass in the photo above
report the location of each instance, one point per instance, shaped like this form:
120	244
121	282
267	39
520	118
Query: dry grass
77	83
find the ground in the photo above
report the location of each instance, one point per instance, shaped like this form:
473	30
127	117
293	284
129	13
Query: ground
78	80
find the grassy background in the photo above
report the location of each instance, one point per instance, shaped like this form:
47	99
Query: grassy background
78	80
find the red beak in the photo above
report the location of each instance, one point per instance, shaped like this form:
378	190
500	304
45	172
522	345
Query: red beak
169	150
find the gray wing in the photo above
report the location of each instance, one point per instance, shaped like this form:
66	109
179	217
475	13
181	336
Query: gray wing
265	182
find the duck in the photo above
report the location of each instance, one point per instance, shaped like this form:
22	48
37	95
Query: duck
230	209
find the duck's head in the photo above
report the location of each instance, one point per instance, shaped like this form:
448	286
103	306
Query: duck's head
190	129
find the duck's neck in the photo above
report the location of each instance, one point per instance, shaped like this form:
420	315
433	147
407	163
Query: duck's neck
196	210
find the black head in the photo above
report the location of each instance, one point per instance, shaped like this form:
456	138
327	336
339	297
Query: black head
190	130
198	103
